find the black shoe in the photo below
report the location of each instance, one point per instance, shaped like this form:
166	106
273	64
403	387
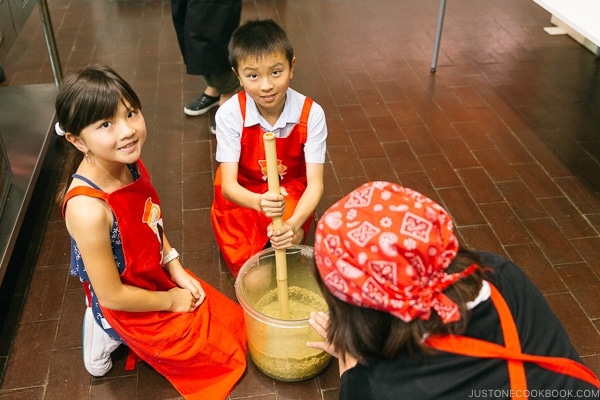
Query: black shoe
201	105
2	76
213	128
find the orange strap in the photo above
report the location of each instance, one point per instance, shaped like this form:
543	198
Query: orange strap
85	191
242	101
516	369
472	347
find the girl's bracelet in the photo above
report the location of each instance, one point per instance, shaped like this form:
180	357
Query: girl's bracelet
170	256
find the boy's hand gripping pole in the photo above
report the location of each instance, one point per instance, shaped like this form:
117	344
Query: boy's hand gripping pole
280	254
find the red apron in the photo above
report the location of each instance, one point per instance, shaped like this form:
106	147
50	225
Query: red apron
511	352
242	232
203	353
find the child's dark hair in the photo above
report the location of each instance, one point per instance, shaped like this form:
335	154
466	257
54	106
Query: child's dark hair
257	38
369	334
89	95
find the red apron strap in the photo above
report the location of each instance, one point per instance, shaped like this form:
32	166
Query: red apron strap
306	110
480	348
242	101
85	191
88	293
472	347
132	359
516	369
303	123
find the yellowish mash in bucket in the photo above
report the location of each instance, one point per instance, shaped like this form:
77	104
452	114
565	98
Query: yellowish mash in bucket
281	353
278	346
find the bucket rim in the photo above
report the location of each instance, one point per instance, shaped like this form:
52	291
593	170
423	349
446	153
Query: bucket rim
278	322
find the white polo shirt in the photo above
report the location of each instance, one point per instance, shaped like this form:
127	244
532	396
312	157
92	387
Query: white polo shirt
229	126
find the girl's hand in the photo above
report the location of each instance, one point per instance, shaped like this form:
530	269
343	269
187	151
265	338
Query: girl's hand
183	300
272	205
320	322
186	281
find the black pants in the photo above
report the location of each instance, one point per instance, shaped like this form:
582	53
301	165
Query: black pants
203	29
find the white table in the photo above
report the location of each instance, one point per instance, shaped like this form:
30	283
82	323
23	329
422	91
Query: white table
583	16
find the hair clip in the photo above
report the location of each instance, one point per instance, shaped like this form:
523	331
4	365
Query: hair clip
59	130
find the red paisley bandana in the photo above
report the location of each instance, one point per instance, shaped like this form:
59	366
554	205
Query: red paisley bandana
384	246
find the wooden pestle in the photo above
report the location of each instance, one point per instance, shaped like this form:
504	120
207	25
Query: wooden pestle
280	255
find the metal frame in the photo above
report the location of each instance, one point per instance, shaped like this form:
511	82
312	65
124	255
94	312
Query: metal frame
50	41
438	35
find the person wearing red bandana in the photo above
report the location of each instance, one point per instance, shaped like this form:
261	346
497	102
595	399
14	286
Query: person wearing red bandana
414	315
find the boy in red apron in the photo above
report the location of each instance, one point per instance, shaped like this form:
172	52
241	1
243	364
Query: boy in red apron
137	291
262	57
413	316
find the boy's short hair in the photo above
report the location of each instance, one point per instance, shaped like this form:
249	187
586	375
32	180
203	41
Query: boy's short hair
256	38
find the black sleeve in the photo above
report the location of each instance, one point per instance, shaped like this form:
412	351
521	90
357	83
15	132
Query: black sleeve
354	385
529	308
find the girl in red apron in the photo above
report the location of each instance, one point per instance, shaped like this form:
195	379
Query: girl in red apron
413	316
137	290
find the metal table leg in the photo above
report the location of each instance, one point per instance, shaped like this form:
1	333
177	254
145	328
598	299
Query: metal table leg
50	41
438	35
